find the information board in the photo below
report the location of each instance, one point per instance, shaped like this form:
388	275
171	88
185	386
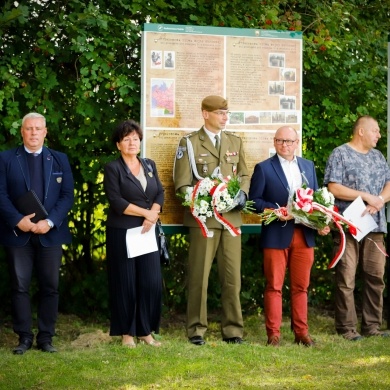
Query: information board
258	71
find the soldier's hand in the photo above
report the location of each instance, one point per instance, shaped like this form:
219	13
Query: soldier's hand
241	200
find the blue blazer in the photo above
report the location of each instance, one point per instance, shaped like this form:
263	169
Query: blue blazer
58	195
269	189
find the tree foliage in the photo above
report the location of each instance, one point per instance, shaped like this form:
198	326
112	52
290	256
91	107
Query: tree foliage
78	62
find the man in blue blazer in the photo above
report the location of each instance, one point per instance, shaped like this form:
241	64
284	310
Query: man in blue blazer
38	244
285	243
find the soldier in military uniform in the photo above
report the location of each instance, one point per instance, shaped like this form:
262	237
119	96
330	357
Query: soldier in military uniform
197	156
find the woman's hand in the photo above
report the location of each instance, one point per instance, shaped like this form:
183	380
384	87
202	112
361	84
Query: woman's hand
146	226
152	215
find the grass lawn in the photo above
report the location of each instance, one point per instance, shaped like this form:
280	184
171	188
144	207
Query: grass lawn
89	359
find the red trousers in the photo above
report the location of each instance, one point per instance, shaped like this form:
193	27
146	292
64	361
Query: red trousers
298	258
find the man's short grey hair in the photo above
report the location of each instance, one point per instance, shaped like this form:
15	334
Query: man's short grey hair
34	115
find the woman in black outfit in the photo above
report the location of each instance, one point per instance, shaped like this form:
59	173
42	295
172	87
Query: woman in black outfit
135	195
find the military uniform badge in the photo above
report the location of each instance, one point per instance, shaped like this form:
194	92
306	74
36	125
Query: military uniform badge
180	152
230	154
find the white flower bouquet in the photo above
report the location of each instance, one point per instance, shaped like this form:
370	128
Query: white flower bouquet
316	210
312	208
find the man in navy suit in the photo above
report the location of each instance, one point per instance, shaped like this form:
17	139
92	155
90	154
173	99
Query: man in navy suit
28	245
285	243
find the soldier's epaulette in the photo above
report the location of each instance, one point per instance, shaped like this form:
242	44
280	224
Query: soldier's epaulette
191	134
231	133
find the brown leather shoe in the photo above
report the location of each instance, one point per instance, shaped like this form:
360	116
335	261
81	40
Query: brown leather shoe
377	333
273	341
307	341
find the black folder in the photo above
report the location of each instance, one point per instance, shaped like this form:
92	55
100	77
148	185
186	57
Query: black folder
29	203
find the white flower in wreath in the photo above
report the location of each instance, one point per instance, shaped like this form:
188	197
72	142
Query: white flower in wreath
221	206
203	207
188	194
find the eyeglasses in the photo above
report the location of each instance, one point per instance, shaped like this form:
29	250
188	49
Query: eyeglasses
288	142
221	113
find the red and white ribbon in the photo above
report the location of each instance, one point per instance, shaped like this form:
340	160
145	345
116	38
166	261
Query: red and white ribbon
341	249
336	217
379	248
304	199
202	225
305	203
215	193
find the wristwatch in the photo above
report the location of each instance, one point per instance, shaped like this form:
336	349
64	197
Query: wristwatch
50	223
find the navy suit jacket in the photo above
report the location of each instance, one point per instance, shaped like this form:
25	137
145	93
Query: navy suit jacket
58	195
123	188
269	189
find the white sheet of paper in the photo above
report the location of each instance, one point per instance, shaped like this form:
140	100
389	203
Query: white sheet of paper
354	214
139	244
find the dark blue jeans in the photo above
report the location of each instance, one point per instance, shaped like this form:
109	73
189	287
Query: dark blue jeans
46	261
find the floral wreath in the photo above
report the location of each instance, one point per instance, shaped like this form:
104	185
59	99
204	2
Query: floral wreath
212	197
